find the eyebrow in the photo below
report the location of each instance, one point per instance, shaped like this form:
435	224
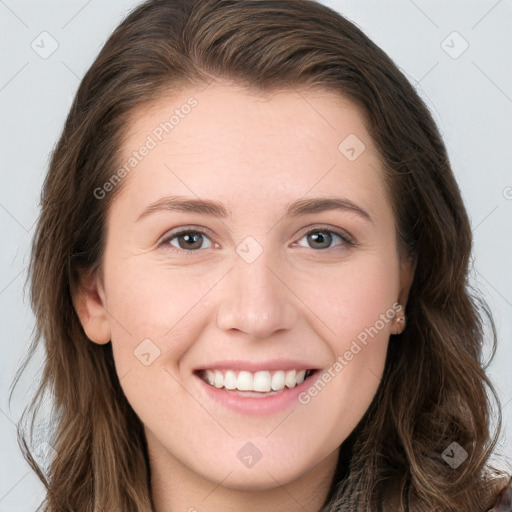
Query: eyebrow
217	209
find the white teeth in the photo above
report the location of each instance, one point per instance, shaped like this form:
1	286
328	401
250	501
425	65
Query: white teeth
289	379
219	379
244	382
278	381
262	381
230	380
209	377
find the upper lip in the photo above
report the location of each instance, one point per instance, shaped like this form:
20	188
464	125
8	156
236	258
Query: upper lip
254	366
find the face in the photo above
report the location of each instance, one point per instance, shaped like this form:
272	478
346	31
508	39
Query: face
249	331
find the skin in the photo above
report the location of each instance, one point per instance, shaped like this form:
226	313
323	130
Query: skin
254	153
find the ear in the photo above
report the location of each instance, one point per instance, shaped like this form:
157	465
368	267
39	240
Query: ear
89	303
407	268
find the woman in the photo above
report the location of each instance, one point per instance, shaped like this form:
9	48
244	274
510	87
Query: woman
250	276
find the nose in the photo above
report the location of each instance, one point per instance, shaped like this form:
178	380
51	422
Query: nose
257	300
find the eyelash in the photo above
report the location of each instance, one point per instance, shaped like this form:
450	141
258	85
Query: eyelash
346	239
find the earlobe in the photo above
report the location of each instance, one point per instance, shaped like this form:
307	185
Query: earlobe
398	323
88	301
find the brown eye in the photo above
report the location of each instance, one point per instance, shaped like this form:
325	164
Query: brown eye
320	239
324	238
187	240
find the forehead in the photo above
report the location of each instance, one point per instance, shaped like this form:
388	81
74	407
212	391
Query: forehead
225	141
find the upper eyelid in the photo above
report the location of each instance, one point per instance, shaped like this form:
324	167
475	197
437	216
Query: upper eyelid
343	233
171	233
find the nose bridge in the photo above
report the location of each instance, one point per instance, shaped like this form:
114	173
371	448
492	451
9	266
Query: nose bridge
257	302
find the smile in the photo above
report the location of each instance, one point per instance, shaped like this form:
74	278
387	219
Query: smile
260	381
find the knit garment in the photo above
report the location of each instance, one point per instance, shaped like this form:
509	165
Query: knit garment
504	501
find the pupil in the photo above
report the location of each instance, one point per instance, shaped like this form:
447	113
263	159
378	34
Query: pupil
321	237
189	239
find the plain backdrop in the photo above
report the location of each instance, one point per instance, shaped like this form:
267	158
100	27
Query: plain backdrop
456	53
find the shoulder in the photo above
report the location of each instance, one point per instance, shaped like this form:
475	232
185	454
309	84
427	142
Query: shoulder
504	499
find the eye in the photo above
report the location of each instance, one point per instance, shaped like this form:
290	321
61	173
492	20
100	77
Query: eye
321	238
192	240
187	240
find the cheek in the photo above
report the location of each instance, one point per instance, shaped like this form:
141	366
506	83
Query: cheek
149	301
173	308
159	314
340	394
356	306
350	298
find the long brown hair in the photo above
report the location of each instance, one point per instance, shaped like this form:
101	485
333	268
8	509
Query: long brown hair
434	390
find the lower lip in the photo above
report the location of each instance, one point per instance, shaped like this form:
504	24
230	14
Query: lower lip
257	406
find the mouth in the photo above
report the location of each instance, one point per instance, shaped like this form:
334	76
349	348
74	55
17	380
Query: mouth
261	383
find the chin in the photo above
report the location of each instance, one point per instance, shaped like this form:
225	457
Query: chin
257	479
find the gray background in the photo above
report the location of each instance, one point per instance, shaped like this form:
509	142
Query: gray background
469	93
